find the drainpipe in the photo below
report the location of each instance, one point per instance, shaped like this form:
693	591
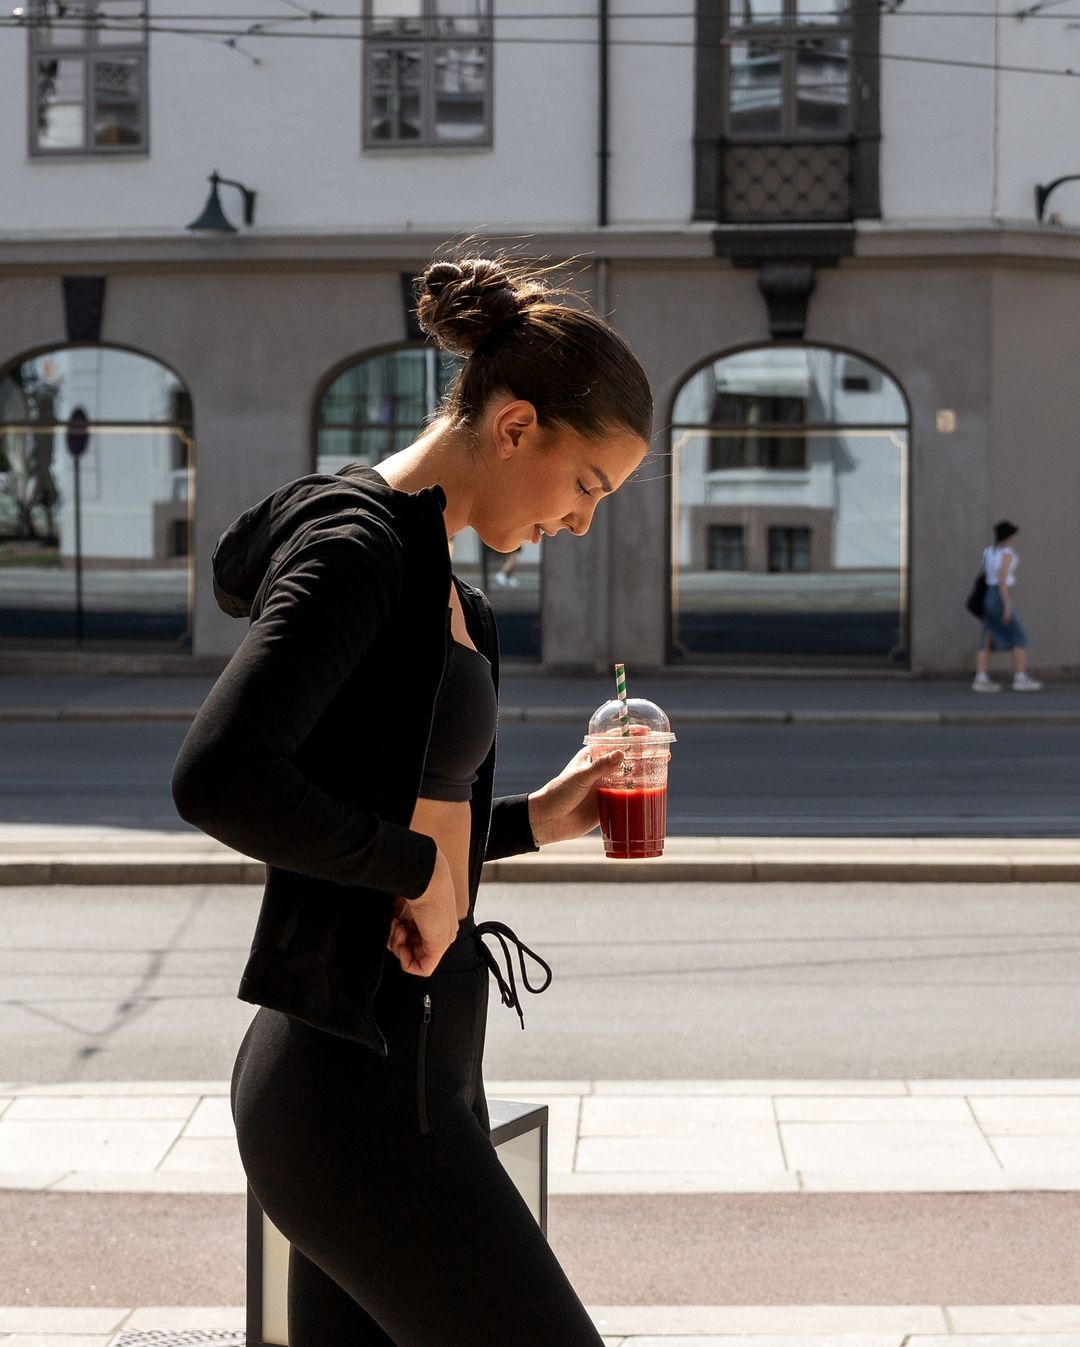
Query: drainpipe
603	153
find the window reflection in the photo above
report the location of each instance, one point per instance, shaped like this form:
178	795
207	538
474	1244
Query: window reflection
136	497
789	516
785	79
756	96
818	12
59	88
379	405
821	76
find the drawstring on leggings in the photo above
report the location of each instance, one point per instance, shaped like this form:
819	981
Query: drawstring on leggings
508	986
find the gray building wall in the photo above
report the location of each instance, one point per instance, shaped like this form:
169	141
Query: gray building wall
991	338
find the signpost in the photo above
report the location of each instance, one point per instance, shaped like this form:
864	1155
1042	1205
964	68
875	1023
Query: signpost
78	437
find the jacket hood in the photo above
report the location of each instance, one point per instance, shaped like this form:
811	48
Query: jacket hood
249	546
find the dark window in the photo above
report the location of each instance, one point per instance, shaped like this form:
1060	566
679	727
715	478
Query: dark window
726	544
859	377
767	448
88	76
427	74
181	538
789	549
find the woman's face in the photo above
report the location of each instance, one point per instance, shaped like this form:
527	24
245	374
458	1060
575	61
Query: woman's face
544	481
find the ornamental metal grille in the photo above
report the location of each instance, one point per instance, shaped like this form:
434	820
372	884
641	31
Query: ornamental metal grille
165	1337
793	181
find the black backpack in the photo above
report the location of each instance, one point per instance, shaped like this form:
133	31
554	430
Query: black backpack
975	602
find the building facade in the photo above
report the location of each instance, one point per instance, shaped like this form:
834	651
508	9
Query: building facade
815	221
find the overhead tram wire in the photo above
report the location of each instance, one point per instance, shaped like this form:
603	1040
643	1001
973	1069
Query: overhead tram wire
303	15
227	37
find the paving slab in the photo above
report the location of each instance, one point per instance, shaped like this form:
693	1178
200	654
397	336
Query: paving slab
662	1326
606	1136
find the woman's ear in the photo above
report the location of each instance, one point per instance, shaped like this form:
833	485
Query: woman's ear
513	426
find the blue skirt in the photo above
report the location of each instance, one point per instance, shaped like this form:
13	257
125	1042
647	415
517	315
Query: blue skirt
1003	635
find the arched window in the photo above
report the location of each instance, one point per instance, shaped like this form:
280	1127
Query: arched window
378	403
789	509
95	548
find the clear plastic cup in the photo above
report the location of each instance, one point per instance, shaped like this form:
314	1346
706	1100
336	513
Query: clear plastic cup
633	796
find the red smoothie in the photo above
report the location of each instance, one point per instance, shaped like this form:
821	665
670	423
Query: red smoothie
633	821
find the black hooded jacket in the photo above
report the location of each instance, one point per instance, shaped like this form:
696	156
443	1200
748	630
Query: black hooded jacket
309	751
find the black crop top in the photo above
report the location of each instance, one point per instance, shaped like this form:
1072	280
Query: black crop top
463	726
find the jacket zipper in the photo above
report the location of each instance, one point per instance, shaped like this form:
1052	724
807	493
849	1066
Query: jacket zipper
421	1068
384	1046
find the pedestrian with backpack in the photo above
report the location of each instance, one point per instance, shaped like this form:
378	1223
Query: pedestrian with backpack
1002	628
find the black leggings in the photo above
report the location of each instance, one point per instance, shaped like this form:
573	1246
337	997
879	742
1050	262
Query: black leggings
405	1229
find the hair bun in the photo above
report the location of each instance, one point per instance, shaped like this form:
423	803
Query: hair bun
459	304
439	276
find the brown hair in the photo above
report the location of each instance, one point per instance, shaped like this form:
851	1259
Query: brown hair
572	366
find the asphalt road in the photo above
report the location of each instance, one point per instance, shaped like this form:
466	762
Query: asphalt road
838	780
763	982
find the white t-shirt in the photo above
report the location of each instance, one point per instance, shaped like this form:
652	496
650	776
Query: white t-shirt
992	559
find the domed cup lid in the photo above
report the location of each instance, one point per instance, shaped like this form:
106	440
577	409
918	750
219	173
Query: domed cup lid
647	721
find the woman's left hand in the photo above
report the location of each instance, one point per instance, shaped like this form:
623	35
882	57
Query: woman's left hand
566	807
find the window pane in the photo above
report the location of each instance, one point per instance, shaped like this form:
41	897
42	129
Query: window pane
822	85
110	385
755	89
379	405
456	18
126	20
395	94
727	550
134	501
460	93
118	97
821	508
60	97
822	11
61	23
830	386
755	11
395	18
789	549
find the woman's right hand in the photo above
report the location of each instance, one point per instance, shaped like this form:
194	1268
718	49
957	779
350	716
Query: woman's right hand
423	929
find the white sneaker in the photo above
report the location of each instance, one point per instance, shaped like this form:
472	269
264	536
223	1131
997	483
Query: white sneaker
1022	683
984	684
501	579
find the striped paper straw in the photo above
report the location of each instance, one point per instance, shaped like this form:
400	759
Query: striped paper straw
620	692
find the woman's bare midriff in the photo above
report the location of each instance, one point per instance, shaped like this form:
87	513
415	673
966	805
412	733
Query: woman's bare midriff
449	823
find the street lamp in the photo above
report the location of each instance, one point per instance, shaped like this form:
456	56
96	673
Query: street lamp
213	219
1042	193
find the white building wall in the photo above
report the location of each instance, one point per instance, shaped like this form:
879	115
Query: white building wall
651	114
290	128
959	143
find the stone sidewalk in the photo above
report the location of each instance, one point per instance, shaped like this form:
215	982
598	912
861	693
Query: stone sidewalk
621	1325
606	1136
717	1136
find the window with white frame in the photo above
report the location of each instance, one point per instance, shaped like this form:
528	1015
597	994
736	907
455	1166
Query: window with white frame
87	84
427	73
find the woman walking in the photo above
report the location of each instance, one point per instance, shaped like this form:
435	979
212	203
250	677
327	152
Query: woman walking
1002	628
350	744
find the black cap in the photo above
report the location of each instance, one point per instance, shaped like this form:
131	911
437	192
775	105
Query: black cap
1004	529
